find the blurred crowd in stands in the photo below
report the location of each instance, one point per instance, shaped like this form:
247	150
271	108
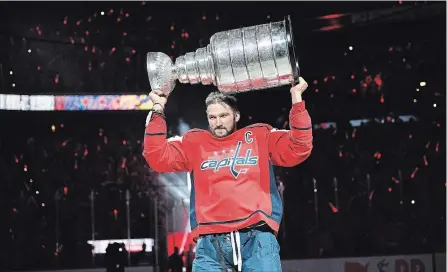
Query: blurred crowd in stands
371	188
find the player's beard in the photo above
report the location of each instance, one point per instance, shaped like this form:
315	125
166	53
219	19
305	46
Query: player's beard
227	131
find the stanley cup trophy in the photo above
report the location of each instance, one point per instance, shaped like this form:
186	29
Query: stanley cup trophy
238	60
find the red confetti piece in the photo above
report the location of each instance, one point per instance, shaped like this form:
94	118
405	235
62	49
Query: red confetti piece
364	69
93	49
325	79
425	160
354	90
353	133
333	77
285	124
186	35
410	136
378	80
38	68
118	19
395	180
85	48
62	125
85	153
437	146
352	76
134	51
89	19
204	17
72	41
414	172
105	140
127	15
87	32
56	79
172	27
124	34
315	81
371	195
16	159
333	208
65	190
123	163
316	90
340	154
128	59
365	85
65	22
110	11
390	189
78	22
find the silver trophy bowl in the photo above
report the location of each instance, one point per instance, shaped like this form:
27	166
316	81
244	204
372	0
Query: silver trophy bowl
239	60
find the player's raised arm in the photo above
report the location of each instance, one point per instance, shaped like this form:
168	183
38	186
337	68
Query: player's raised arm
293	146
162	155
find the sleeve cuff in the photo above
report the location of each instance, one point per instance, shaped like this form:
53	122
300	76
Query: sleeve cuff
299	117
298	107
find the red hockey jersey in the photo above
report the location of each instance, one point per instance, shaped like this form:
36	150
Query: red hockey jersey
232	181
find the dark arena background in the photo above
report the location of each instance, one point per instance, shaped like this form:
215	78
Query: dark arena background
76	193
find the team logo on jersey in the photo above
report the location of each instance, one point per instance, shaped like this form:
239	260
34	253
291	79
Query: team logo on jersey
236	160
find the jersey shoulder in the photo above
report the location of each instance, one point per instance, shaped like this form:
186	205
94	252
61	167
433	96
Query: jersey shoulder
259	127
190	136
194	135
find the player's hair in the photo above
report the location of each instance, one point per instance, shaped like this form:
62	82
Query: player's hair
218	97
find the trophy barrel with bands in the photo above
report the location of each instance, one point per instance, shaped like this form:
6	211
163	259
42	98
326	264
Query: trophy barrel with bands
239	60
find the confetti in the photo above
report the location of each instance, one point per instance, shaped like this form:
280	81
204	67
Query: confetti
414	172
333	208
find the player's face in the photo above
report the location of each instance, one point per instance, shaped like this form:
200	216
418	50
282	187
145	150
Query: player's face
221	119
